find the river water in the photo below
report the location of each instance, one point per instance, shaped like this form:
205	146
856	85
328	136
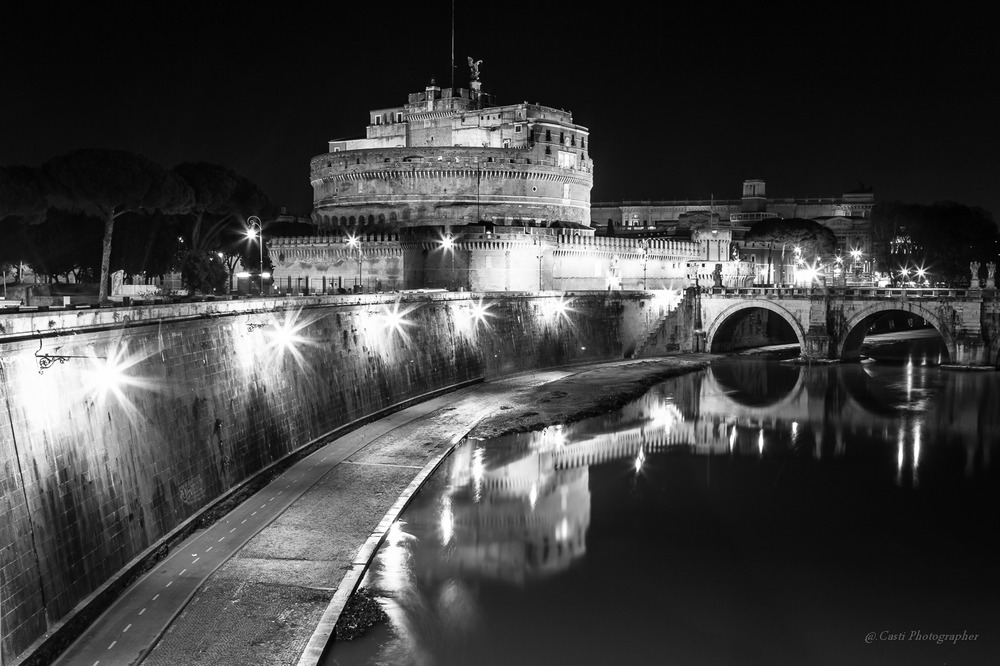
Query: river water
756	512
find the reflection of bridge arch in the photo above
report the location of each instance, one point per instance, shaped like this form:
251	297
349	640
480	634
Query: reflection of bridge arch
715	398
756	382
848	347
726	314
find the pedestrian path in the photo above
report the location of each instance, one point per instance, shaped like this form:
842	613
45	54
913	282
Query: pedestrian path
128	630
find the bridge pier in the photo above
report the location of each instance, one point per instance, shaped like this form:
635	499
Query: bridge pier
970	349
817	344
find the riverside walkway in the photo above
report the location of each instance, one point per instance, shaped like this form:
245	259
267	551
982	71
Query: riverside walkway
256	586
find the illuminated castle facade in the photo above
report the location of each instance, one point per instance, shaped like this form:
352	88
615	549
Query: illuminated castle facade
452	191
453	157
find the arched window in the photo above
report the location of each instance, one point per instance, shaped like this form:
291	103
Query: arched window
350	220
371	219
381	218
343	221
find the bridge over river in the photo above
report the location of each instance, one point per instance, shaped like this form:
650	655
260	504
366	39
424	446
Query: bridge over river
832	323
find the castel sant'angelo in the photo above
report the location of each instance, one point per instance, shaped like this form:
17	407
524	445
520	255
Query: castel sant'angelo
453	191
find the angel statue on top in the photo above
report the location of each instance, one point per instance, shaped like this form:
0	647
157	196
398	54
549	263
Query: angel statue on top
474	68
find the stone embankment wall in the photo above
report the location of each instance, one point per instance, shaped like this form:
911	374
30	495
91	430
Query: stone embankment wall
96	475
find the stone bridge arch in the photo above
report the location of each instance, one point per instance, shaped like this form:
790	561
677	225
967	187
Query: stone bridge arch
848	343
724	315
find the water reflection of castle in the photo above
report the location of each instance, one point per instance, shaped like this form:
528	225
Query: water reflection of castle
519	508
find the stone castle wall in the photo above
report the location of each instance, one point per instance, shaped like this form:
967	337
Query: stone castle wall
91	481
400	187
484	259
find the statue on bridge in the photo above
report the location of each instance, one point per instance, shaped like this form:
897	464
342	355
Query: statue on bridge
974	269
991	269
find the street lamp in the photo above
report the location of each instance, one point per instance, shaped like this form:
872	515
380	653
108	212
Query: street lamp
539	253
645	259
256	231
856	256
353	242
448	244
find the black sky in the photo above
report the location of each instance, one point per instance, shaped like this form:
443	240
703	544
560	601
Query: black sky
682	100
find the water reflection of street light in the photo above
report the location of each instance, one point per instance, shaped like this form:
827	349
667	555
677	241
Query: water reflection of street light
256	231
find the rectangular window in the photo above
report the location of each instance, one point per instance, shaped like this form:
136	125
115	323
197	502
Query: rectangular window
506	143
517	129
399	117
567	160
378	120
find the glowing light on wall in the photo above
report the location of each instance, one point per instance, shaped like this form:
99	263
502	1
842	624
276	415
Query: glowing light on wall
732	439
554	309
105	377
639	460
283	336
533	496
667	298
469	315
760	442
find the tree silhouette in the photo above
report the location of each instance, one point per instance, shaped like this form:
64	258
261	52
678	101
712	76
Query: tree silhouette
109	183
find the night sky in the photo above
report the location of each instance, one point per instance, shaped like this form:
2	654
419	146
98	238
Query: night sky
681	101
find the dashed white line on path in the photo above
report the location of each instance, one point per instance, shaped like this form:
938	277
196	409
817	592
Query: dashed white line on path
156	597
142	611
182	572
126	628
112	644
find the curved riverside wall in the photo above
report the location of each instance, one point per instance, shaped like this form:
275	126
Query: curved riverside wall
90	480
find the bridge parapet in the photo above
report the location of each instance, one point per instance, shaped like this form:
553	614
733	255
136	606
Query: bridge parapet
857	292
831	323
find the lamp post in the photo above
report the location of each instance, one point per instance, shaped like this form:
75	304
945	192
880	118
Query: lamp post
353	242
256	231
448	244
539	253
645	259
